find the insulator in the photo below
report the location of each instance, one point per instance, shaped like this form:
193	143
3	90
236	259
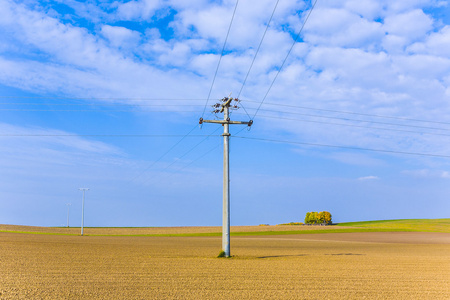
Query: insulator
236	99
235	107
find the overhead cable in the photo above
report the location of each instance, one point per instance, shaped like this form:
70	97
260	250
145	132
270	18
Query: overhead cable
220	59
359	120
353	125
352	113
204	154
345	147
190	150
106	135
285	59
99	104
256	53
91	110
101	98
165	153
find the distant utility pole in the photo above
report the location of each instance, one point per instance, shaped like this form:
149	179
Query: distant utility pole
82	209
68	209
224	107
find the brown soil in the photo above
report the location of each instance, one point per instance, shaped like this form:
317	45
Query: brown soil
314	266
372	237
158	230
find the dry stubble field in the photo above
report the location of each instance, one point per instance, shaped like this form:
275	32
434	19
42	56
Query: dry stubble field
391	265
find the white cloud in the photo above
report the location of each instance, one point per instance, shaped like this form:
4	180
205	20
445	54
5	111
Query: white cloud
340	27
19	134
120	36
66	43
178	55
368	178
423	66
413	24
405	28
141	9
368	9
341	64
80	61
38	157
437	43
345	63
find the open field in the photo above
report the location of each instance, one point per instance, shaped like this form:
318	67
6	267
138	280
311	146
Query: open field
419	225
373	265
165	231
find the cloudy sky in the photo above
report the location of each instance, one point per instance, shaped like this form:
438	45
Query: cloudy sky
350	101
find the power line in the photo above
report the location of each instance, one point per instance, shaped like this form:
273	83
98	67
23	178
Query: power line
98	104
285	59
204	154
353	125
198	158
352	113
91	110
181	105
102	98
221	55
165	153
256	53
191	149
204	135
274	117
345	147
105	135
359	120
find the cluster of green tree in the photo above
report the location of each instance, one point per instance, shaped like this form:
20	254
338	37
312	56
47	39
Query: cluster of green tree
322	217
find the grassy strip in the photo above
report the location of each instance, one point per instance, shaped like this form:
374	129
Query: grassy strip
259	233
398	221
422	225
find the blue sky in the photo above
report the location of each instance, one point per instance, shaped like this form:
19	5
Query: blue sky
107	95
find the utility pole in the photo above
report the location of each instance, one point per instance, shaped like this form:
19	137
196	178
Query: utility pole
225	108
68	208
82	209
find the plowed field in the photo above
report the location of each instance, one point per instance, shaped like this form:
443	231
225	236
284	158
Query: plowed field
313	266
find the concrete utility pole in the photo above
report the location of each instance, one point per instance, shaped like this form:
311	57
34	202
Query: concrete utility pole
225	107
82	209
68	209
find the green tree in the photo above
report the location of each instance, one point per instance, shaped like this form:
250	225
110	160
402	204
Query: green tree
323	217
308	218
313	217
327	218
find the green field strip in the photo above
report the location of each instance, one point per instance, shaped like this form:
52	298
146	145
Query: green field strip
421	225
254	233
